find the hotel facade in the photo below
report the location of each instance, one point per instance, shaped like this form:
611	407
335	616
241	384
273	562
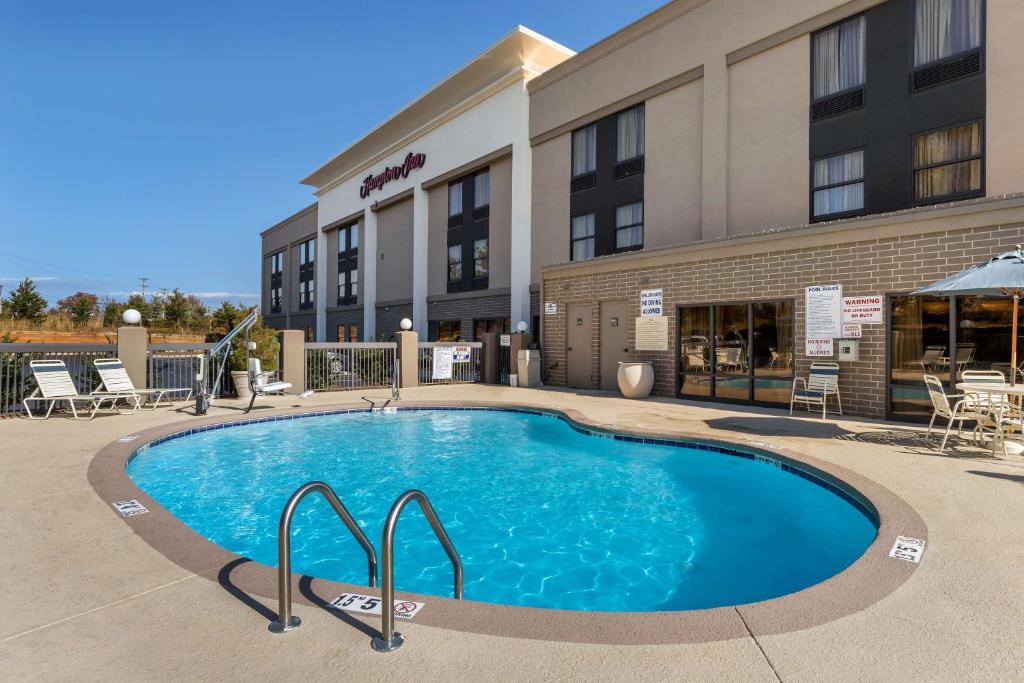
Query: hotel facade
733	161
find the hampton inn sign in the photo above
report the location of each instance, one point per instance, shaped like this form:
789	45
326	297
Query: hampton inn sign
375	182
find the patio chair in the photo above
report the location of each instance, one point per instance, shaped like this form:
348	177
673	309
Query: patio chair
260	384
54	384
962	410
822	382
933	358
994	411
114	378
964	356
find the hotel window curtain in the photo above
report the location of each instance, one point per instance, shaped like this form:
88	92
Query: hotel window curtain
583	237
839	58
455	199
629	224
845	172
630	134
943	28
940	152
481	189
584	150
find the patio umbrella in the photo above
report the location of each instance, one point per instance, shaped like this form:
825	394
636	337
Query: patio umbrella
1003	274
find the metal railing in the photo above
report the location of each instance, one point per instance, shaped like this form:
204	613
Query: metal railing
285	620
173	366
465	365
16	380
340	366
389	640
504	364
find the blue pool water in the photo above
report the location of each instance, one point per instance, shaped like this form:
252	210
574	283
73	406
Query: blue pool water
541	514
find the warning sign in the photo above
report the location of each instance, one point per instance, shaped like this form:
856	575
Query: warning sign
369	604
818	348
128	508
865	310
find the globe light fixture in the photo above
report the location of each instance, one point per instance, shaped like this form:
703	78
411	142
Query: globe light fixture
131	317
406	324
522	326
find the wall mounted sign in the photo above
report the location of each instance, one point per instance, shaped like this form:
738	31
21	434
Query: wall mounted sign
651	302
852	331
866	310
550	308
818	348
441	367
651	334
460	354
824	311
506	340
375	182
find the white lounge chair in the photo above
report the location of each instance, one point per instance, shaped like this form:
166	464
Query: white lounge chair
260	385
54	384
114	379
822	382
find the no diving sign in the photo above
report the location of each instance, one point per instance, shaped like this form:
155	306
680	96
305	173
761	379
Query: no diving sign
369	604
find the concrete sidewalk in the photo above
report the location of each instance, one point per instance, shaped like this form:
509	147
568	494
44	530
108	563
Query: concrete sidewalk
86	598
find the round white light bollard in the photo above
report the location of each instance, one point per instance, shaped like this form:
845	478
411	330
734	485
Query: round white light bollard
131	317
522	326
406	324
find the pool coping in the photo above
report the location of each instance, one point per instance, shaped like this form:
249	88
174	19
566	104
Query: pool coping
868	580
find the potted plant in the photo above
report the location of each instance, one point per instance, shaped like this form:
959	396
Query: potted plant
267	350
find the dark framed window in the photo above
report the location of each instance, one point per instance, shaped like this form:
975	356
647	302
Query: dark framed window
310	334
276	281
948	164
499	325
582	238
739	352
629	226
448	330
629	142
469	202
307	273
949	38
839	63
348	332
348	265
584	157
837	185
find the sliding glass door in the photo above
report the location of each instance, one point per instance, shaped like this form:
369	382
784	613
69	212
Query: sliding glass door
737	351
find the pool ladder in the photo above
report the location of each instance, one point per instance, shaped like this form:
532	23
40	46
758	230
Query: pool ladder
388	639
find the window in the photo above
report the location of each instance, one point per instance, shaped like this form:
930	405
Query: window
944	28
499	325
348	287
582	238
584	150
276	264
630	125
353	283
839	184
348	265
307	252
348	333
307	273
947	163
455	264
310	334
629	226
839	63
307	293
449	331
482	189
480	259
275	299
455	199
276	281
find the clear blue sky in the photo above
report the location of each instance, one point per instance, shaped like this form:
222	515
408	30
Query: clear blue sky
155	139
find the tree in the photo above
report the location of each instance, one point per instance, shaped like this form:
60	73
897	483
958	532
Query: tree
176	309
26	303
138	302
112	312
226	316
198	316
80	307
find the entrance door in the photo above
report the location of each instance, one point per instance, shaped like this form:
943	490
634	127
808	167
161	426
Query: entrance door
579	353
614	342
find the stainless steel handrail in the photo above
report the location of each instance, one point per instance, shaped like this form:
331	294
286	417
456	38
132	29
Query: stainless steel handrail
285	620
388	639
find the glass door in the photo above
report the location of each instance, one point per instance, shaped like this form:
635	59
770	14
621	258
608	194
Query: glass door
695	351
732	351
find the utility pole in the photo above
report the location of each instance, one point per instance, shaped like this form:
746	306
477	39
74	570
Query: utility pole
142	283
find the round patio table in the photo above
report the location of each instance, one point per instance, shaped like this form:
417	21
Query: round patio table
1002	390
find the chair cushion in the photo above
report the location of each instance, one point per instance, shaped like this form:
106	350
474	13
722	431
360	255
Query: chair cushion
808	393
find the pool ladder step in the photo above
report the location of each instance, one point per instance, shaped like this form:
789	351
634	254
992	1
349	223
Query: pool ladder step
388	639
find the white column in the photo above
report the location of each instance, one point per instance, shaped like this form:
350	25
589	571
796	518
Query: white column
321	286
420	254
368	287
521	236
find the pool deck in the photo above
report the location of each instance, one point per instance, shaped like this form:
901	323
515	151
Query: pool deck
86	597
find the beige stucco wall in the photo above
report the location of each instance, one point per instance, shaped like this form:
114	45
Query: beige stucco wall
394	252
672	162
550	216
499	229
768	138
437	240
1004	144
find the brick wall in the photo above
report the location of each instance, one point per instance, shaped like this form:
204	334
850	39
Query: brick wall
869	267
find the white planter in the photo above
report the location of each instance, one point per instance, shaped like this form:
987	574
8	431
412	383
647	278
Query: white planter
241	380
636	379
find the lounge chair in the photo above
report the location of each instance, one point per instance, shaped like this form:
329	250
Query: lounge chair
260	385
963	409
964	356
933	358
114	378
822	382
54	384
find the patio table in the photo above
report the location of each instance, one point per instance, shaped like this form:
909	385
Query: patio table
993	391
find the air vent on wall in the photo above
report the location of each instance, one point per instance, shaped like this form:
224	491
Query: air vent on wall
837	105
629	167
455	221
481	212
582	182
949	70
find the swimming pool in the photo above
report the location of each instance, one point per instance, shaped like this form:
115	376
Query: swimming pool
543	513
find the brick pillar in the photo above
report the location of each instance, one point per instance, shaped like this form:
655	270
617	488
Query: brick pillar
489	357
408	358
132	346
292	362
